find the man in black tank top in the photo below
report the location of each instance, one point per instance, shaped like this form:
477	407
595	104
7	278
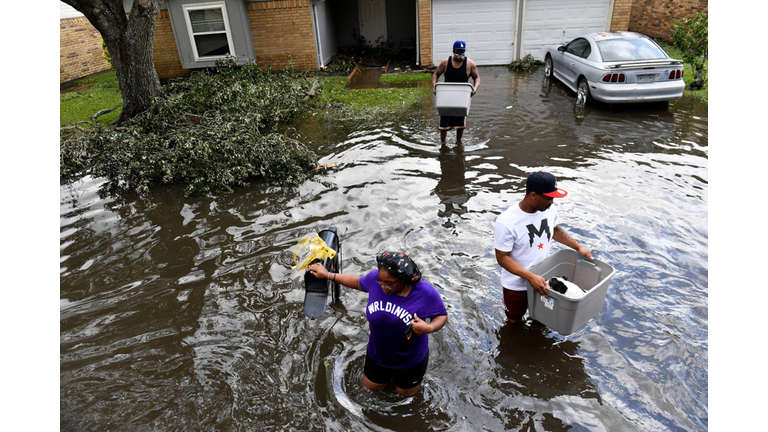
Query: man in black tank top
457	68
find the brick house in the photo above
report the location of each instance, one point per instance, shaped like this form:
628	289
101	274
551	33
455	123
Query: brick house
192	34
654	18
79	46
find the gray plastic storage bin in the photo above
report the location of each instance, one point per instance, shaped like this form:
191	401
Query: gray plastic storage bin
558	312
453	99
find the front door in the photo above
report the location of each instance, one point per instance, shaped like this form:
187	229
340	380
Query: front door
373	20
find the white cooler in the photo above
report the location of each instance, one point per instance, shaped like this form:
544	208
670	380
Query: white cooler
453	99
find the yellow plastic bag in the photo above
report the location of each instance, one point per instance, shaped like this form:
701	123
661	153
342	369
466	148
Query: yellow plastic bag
309	248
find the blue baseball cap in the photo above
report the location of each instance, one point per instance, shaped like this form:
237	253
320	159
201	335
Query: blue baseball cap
460	45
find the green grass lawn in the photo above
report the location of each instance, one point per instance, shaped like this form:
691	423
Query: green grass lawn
89	96
370	100
406	77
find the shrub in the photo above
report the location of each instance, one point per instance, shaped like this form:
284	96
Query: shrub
525	64
692	38
211	132
105	54
379	50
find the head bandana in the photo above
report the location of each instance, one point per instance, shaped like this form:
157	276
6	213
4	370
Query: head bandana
399	265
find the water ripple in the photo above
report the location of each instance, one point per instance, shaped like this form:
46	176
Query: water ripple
184	314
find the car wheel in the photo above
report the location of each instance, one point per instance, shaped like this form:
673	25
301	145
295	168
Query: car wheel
582	94
548	67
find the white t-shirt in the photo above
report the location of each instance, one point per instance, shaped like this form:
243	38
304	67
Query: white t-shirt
526	236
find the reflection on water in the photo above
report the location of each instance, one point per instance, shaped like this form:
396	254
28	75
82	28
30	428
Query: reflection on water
451	188
184	314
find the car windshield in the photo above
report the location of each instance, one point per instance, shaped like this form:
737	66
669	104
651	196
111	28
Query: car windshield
629	49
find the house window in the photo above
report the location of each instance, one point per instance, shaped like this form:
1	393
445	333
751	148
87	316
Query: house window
208	28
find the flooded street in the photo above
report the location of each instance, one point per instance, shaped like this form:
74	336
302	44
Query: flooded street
184	314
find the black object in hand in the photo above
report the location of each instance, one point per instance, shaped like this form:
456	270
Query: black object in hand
408	331
558	285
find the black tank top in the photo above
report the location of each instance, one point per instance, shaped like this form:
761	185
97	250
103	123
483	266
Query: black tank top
458	74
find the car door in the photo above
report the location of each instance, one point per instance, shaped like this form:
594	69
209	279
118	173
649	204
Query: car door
573	60
557	61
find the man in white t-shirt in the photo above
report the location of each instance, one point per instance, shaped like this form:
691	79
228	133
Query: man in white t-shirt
522	237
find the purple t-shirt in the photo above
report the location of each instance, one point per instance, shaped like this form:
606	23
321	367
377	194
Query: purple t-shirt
389	316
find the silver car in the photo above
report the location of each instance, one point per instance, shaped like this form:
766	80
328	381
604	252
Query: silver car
616	67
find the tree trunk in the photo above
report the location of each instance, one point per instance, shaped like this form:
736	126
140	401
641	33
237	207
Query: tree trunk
129	41
698	75
696	84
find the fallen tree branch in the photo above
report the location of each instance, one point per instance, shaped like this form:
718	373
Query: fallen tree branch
101	113
77	126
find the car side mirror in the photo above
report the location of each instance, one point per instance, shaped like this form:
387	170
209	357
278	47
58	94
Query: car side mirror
561	48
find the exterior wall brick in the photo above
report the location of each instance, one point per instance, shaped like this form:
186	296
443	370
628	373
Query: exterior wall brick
622	10
654	17
165	54
425	32
281	27
79	50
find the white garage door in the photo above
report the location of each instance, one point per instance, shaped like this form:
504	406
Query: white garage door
548	22
487	26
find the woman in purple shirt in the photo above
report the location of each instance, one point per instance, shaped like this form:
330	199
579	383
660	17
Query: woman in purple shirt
398	303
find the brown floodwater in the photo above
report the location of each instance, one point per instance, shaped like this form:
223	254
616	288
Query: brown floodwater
184	314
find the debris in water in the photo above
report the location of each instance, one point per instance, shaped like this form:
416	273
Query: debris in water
326	166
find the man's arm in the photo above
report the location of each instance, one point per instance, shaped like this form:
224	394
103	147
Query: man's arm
507	263
561	236
475	76
438	72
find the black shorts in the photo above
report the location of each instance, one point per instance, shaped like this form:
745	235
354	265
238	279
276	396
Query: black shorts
448	123
404	378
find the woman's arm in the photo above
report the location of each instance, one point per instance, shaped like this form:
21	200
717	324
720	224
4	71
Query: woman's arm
420	327
319	271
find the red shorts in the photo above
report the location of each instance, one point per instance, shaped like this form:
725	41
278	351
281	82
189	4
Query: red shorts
515	304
